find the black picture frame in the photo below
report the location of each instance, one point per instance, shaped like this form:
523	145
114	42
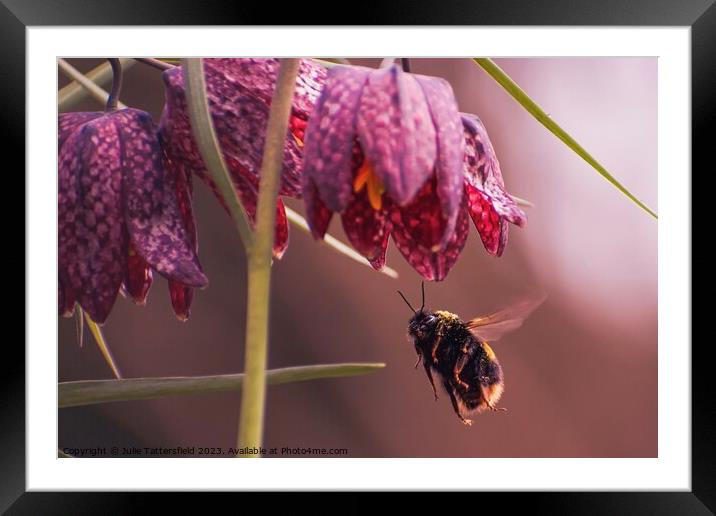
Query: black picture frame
700	15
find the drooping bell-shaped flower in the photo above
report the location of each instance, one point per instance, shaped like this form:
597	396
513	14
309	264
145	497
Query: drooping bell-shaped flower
120	213
385	149
390	152
239	93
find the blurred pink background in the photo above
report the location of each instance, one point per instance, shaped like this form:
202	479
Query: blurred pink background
581	374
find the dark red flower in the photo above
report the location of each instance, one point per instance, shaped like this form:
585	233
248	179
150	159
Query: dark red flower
118	213
239	93
390	152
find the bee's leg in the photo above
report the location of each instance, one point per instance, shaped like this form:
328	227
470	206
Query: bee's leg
486	397
459	366
420	357
438	338
430	377
456	407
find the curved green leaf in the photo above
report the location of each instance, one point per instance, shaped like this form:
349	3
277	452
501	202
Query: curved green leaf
89	392
531	106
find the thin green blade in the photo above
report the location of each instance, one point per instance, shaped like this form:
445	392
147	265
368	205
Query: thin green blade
89	392
531	106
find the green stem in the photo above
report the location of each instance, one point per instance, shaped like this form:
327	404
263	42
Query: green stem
98	93
327	64
259	262
337	60
205	136
543	118
155	63
91	392
113	98
74	93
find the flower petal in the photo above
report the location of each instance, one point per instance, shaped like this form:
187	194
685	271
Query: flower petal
422	218
331	133
503	203
417	230
480	158
239	93
450	147
185	194
154	221
491	227
181	297
367	229
67	200
396	132
318	215
68	122
69	166
248	196
95	258
66	299
482	171
259	76
174	125
240	117
379	261
139	278
431	265
281	238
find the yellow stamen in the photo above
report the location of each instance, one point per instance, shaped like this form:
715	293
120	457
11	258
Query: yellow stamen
299	141
367	178
364	171
375	191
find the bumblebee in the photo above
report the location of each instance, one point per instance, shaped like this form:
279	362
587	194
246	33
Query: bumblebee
459	354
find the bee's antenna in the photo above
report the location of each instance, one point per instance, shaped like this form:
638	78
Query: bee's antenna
422	288
407	302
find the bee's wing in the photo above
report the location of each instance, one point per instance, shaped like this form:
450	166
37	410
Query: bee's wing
492	327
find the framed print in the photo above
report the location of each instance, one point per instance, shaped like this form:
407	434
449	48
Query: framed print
254	229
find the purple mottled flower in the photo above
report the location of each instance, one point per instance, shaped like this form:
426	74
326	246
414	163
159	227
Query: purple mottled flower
120	213
390	152
489	204
239	93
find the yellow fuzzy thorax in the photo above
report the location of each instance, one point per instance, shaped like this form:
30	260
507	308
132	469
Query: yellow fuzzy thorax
447	317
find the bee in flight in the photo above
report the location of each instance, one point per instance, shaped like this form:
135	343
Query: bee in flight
458	352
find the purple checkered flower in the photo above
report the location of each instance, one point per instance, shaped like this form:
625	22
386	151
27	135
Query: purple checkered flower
239	93
390	152
384	148
120	213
